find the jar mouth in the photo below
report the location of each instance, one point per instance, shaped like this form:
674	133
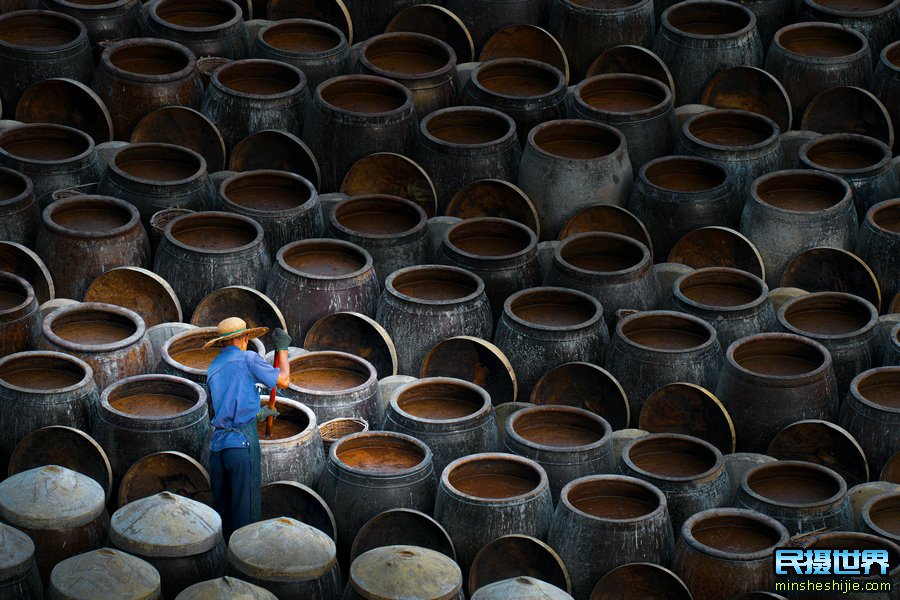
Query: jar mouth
440	400
378	216
265	192
685	175
623	94
407	56
672	457
294	420
15	294
613	498
841	8
487	238
40	29
467	127
494	477
845	153
380	454
44	372
364	95
603	253
330	373
846	540
518	78
259	78
716	288
880	513
553	309
821	41
879	387
94	326
46	144
88	5
794	483
561	429
158	164
149	59
90	216
798	191
185	351
885	216
828	315
196	15
14	187
575	139
891	55
667	332
605	5
302	37
433	284
730	532
778	356
214	232
153	397
727	129
324	259
709	19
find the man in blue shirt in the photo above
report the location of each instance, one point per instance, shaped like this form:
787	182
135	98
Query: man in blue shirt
234	469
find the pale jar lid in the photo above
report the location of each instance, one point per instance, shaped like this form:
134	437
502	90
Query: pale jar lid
103	575
405	572
165	525
225	588
16	552
67	499
281	549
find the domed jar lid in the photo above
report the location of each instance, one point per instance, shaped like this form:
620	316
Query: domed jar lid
67	499
103	575
281	549
521	588
165	525
405	572
16	552
225	588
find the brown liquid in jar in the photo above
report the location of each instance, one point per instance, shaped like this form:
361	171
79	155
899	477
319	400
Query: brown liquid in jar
325	263
42	379
91	219
10	300
667	339
93	333
438	409
152	405
735	539
720	295
434	290
215	238
562	436
614	507
489	245
672	464
553	315
380	459
493	485
327	379
197	358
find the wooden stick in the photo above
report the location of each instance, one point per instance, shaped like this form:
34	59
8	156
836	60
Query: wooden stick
270	420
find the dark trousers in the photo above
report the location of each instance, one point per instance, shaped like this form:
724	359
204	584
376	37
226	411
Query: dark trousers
229	474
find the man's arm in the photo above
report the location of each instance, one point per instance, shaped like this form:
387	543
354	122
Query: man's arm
282	340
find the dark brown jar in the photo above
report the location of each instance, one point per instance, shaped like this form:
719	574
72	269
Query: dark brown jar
104	21
206	27
138	76
294	451
878	21
885	83
859	541
20	315
317	48
878	245
871	414
19	214
19	577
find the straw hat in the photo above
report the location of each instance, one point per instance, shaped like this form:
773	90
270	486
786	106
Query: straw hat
231	328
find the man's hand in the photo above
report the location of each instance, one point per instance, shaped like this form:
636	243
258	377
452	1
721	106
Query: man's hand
281	339
264	413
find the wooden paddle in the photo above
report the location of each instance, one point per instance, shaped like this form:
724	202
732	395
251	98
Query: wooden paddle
270	420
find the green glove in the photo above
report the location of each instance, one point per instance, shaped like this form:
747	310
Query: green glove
264	413
281	339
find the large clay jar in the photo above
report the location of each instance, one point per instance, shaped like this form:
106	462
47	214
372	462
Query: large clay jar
85	236
117	20
19	214
856	542
19	579
699	38
809	58
724	552
878	245
530	92
317	48
675	195
788	212
463	144
111	339
771	380
354	116
654	348
40	44
878	21
568	165
544	327
483	19
20	315
642	108
294	450
871	415
885	83
137	76
427	304
605	521
424	64
207	27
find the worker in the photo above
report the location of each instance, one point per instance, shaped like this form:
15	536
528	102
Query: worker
234	468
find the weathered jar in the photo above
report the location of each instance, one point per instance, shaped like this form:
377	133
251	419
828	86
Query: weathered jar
571	164
104	21
20	315
802	496
855	542
483	19
605	521
878	245
871	414
736	303
205	251
294	451
317	48
138	76
771	380
111	339
82	237
788	212
879	21
724	552
544	327
654	348
399	571
427	304
885	82
206	27
181	538
463	144
675	195
19	577
19	214
104	573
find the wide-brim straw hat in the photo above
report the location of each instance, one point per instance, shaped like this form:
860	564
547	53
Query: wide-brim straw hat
231	328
